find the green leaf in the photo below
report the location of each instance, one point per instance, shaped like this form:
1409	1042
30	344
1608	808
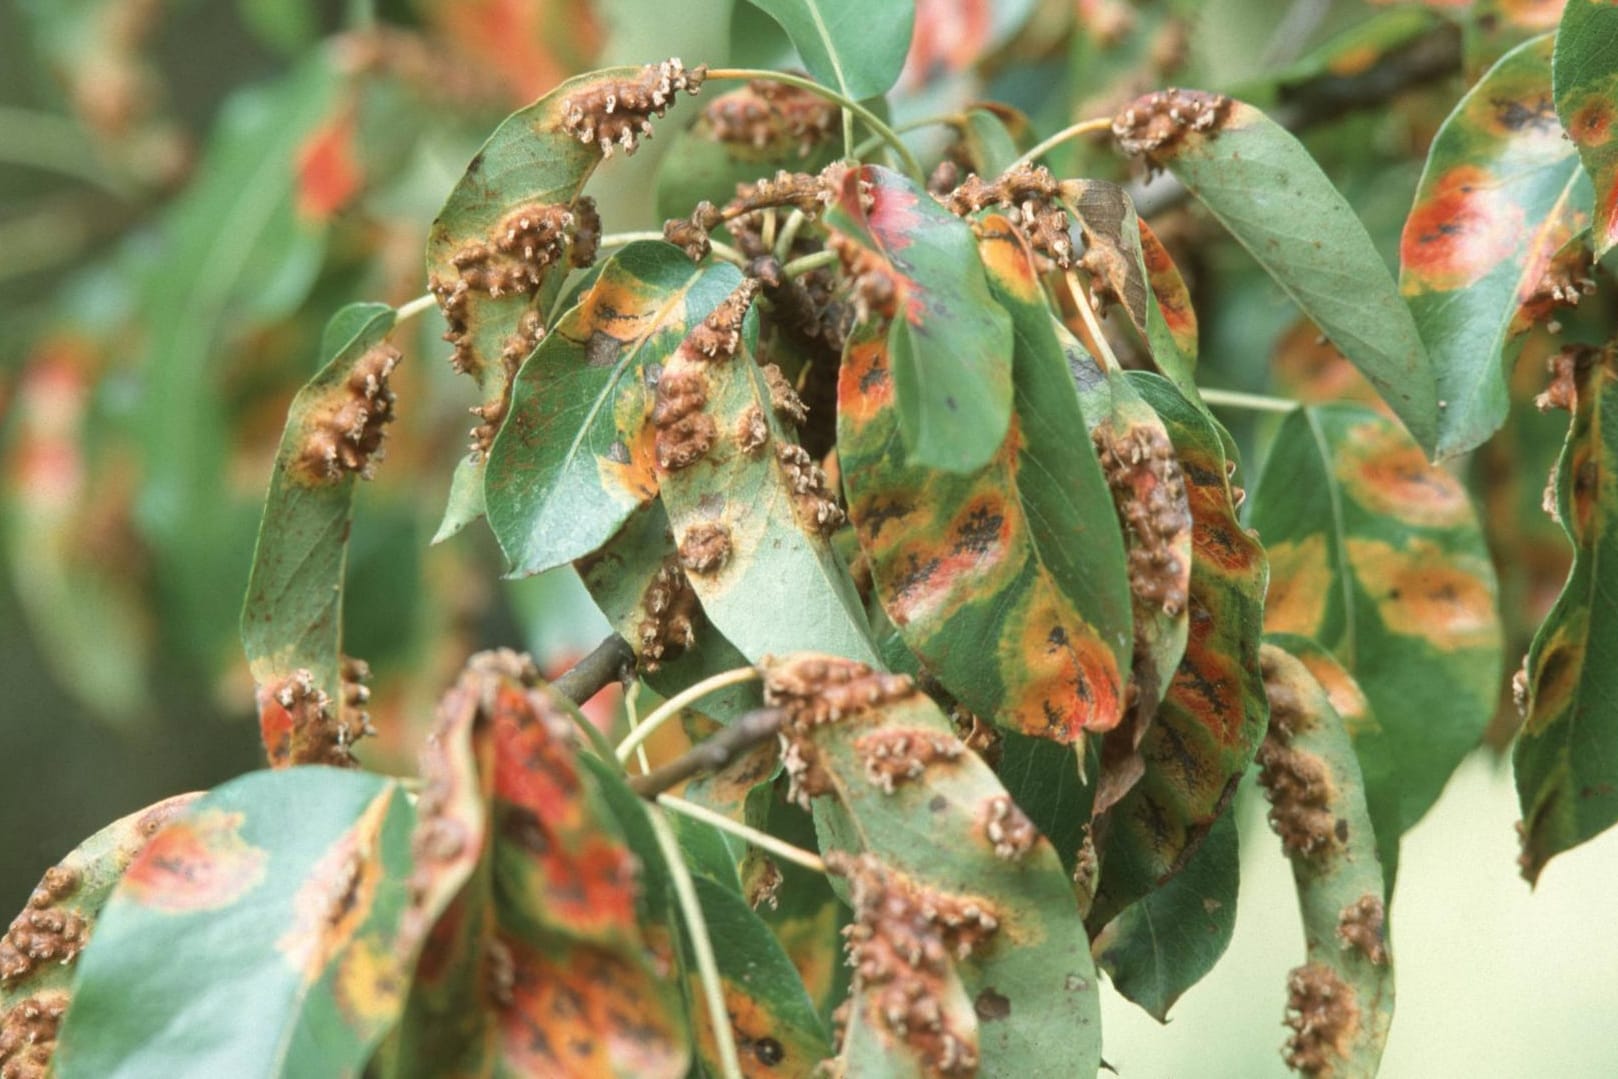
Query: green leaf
1502	192
856	46
1379	557
950	343
1205	732
961	905
1340	1002
292	621
1163	945
575	457
1009	581
228	907
1584	73
517	213
1570	736
750	509
987	141
1263	186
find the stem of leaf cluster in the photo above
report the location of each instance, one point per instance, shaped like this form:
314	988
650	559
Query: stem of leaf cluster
1087	312
406	312
867	117
800	266
789	233
632	715
762	840
1086	127
671	707
685	891
1256	402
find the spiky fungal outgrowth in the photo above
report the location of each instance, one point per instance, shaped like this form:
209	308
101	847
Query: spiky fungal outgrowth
343	431
619	112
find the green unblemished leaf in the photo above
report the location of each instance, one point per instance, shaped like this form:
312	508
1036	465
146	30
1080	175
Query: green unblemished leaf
1379	557
575	456
1009	581
1163	945
1204	734
987	140
950	343
293	617
1570	735
246	947
1501	193
1263	186
1584	74
857	47
1308	770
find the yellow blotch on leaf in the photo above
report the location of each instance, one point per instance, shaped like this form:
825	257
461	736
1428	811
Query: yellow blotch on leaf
1300	581
1424	591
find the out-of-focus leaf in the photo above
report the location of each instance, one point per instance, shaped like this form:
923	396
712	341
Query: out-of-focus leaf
949	343
1263	186
228	905
292	622
1163	945
751	510
515	216
855	46
1378	556
987	143
1492	28
530	45
953	36
1584	73
1340	1002
1501	194
964	911
528	903
576	455
1009	582
1569	738
1205	732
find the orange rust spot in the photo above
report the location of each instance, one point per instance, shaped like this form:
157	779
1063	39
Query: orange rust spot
1173	300
196	863
1300	581
1384	471
1354	60
950	36
865	385
1464	229
518	40
1347	699
979	551
336	897
1424	591
329	171
1061	679
1313	370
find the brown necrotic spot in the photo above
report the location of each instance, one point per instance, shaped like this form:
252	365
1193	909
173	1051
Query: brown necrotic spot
705	547
1362	925
618	112
893	756
343	429
1324	1018
1155	124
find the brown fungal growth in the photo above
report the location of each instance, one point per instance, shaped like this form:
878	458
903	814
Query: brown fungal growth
1565	367
752	432
42	933
669	612
300	725
1008	828
720	334
875	290
28	1035
1564	279
343	431
1324	1018
1155	123
1297	783
784	398
817	508
896	756
533	238
765	113
1362	925
815	690
705	547
1148	487
686	441
691	234
901	944
619	112
1027	195
586	233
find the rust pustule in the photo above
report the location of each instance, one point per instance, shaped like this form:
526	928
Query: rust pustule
811	497
901	944
1007	827
533	237
784	398
1300	792
815	690
765	113
669	612
1148	488
586	233
894	756
619	112
680	393
43	933
686	441
1155	123
720	334
876	293
28	1035
343	431
1027	195
1565	367
705	547
752	432
1362	925
1323	1016
690	234
301	725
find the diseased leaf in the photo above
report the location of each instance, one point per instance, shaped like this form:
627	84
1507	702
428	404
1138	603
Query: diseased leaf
1584	72
1009	582
292	622
750	508
1163	945
856	46
949	343
1502	192
963	912
575	456
1205	732
1564	753
1340	1002
1379	557
226	906
518	213
1263	186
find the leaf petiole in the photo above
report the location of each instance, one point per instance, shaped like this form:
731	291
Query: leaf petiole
1086	127
762	840
671	707
1256	402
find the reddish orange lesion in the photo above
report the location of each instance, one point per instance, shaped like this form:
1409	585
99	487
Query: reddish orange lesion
865	385
1421	590
1384	471
1464	227
1007	258
197	863
1300	582
337	895
974	554
1345	695
1061	679
1168	287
